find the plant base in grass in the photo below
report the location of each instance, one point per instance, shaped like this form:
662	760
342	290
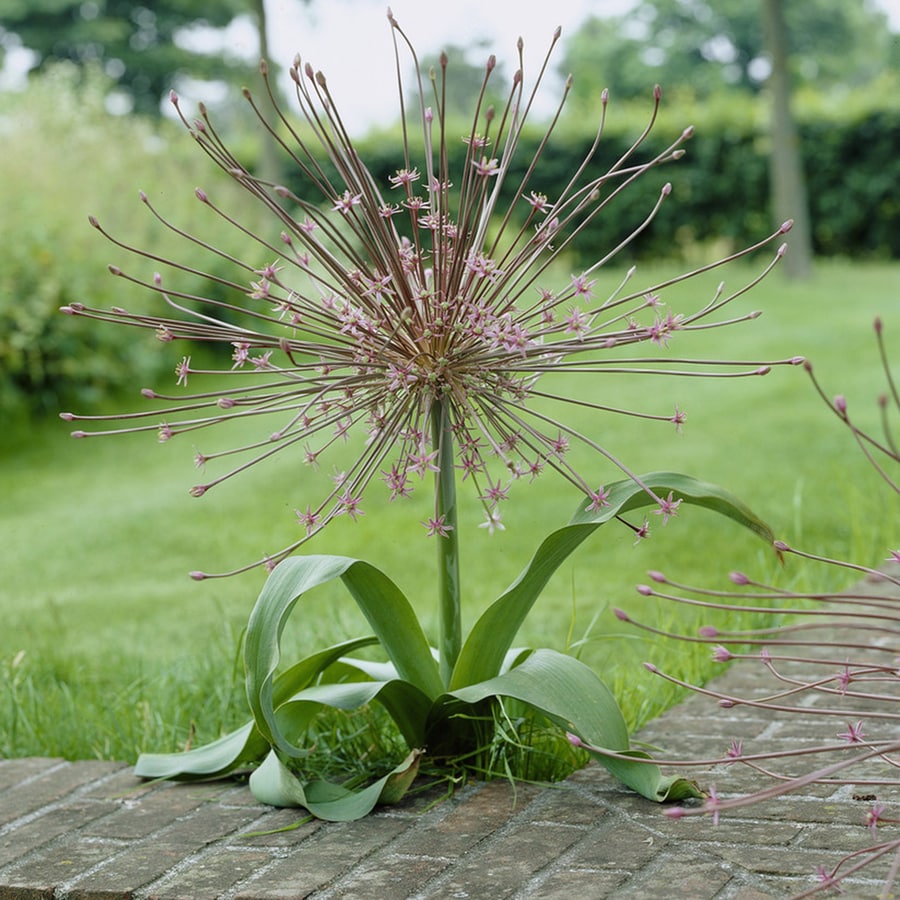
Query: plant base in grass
495	715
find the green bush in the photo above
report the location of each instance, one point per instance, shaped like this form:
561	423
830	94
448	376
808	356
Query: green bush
721	185
64	158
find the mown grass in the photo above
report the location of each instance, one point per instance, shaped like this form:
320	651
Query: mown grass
108	649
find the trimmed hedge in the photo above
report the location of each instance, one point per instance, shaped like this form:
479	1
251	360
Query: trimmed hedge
721	185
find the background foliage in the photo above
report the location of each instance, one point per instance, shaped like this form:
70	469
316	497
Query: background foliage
64	153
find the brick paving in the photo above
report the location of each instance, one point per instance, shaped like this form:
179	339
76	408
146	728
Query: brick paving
91	830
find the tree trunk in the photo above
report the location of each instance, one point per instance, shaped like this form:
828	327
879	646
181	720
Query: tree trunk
788	184
268	167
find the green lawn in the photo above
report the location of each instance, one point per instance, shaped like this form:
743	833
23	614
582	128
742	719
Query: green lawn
109	649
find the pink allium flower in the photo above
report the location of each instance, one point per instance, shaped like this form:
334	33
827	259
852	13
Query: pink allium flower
358	313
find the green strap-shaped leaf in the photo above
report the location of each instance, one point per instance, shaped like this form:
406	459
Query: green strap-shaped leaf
213	760
384	605
395	624
247	744
405	703
570	693
307	670
273	783
492	635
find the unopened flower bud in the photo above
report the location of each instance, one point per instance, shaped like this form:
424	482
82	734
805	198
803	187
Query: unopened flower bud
708	631
620	614
738	578
657	576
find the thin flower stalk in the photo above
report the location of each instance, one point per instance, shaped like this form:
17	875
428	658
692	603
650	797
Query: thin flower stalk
423	317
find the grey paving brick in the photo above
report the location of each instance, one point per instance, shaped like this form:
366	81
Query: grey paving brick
46	785
17	842
323	859
207	878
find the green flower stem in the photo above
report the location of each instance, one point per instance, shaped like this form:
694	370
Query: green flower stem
450	616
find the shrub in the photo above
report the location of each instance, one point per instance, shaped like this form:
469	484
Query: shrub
58	163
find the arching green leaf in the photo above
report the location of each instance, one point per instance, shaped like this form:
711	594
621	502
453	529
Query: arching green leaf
492	635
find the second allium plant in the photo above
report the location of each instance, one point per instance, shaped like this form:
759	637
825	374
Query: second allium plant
424	318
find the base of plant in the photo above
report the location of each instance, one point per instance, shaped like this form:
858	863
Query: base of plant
496	711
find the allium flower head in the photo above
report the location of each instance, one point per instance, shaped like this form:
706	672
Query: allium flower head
373	301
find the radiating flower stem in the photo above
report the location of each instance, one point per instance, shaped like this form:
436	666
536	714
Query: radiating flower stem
450	616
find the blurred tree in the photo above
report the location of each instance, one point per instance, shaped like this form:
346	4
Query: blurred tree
707	45
139	45
787	182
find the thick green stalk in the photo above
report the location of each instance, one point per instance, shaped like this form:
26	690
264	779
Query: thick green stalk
449	612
